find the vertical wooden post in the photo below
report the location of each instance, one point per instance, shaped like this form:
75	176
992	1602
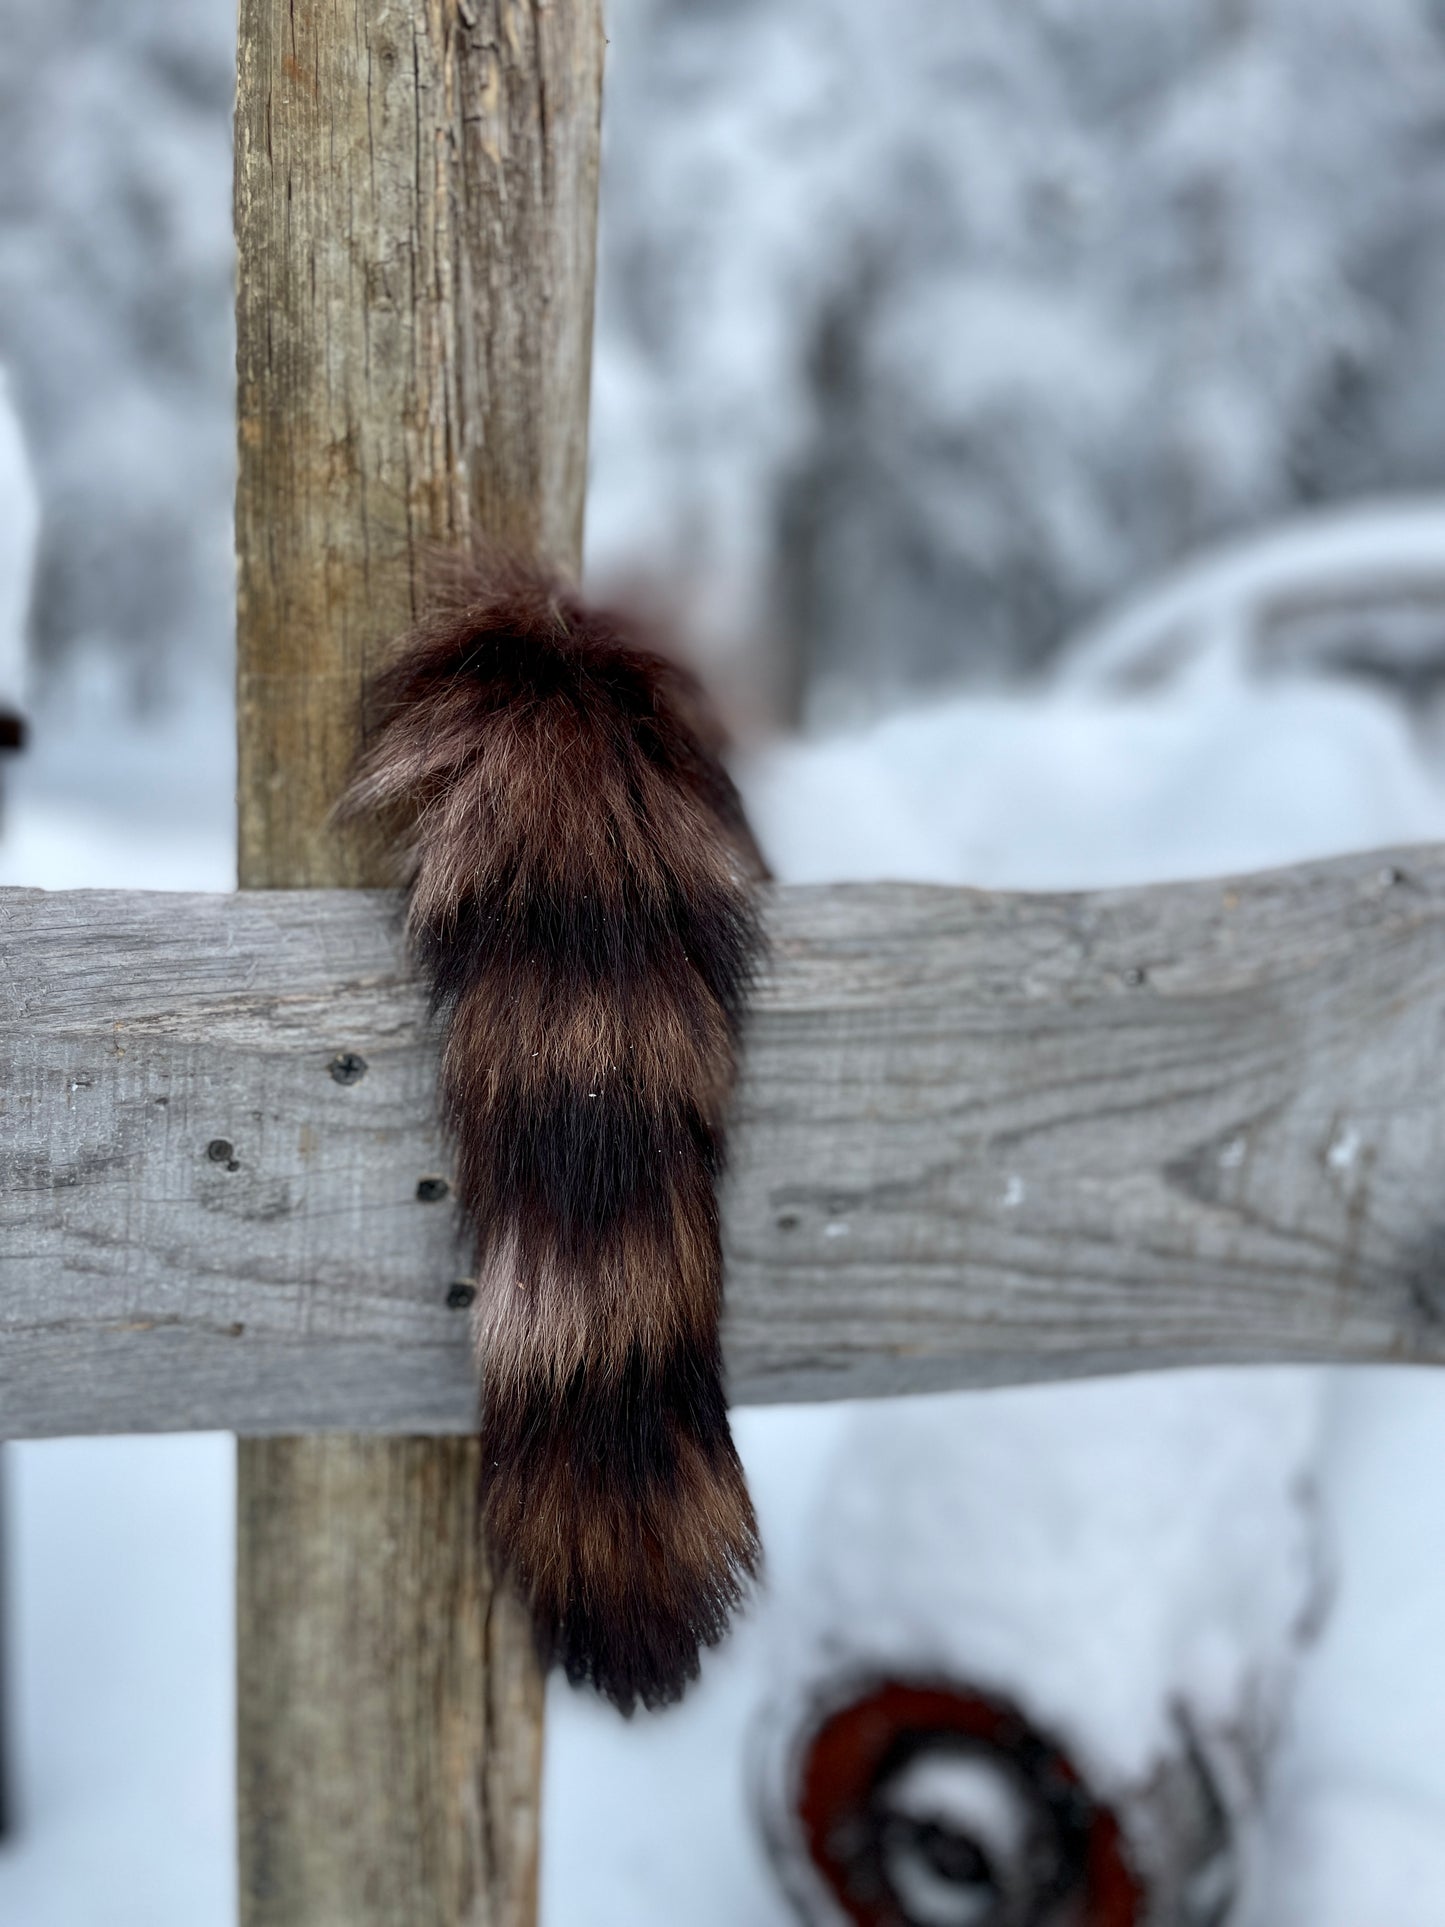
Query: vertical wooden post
415	211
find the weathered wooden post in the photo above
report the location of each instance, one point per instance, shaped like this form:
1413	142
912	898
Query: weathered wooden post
415	214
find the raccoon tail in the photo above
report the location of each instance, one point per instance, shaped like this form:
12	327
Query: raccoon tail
581	896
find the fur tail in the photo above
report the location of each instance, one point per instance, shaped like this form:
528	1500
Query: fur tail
581	896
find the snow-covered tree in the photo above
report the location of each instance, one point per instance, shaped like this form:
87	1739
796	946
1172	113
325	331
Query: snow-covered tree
116	292
926	329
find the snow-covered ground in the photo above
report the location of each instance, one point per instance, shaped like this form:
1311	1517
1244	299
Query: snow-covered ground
121	1551
1360	1803
119	1558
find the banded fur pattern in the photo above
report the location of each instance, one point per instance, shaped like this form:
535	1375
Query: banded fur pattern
581	894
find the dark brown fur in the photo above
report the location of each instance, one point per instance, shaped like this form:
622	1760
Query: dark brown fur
580	877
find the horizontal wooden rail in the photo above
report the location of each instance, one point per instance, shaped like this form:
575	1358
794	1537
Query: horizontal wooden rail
982	1138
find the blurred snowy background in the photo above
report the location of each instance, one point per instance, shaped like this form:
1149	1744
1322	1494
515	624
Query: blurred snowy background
929	338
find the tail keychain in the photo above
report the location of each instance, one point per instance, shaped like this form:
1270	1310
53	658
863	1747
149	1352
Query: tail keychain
582	896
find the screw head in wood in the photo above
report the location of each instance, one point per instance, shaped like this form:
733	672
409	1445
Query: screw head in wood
348	1067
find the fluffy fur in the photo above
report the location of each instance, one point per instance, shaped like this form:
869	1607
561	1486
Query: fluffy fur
581	895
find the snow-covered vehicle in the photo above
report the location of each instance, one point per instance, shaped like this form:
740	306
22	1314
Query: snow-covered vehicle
1356	592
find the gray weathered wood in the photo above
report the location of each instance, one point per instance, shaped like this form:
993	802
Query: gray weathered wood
981	1138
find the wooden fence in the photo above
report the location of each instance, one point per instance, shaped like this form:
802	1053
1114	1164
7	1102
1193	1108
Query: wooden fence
981	1138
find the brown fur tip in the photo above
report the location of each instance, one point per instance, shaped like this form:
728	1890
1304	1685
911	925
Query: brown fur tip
581	893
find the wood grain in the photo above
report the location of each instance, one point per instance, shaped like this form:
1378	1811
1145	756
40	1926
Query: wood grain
324	1614
416	188
981	1139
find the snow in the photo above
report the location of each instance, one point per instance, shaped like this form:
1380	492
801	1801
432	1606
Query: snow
119	1575
111	795
1355	1858
1360	1803
1108	1555
1069	789
1125	1561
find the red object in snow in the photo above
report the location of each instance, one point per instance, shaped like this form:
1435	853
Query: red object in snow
924	1804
